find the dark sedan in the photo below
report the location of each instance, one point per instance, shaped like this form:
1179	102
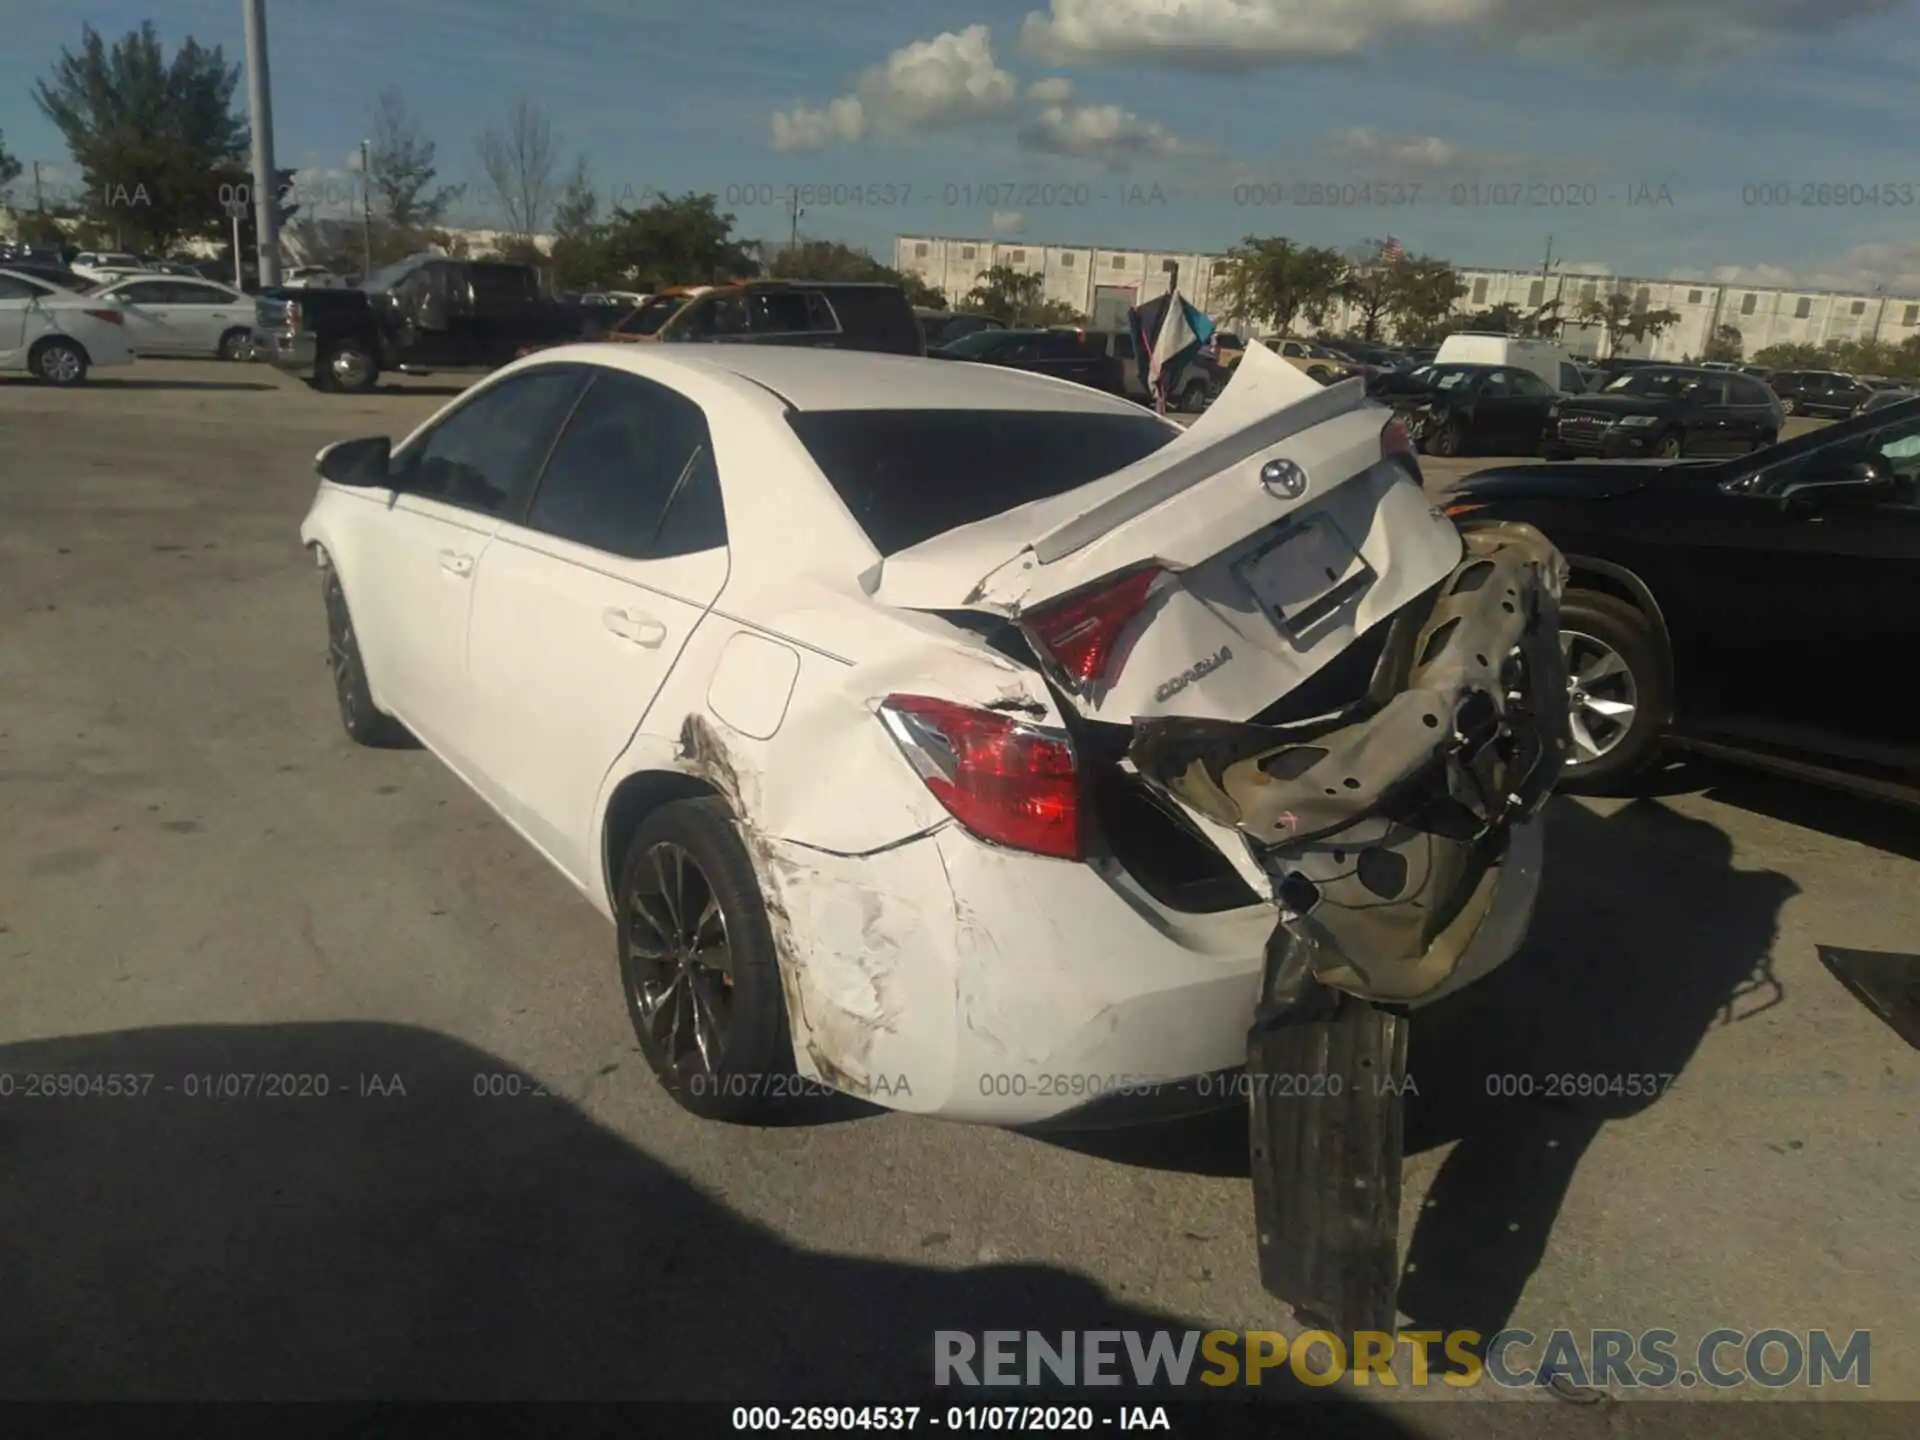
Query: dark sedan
1755	608
1668	411
1083	356
1454	409
1819	392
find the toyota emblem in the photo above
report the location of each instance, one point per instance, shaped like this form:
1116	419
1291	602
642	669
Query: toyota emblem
1284	478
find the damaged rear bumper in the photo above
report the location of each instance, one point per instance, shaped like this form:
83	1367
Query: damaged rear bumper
1386	829
1390	833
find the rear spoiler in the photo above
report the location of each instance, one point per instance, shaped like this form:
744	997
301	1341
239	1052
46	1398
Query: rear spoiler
1176	467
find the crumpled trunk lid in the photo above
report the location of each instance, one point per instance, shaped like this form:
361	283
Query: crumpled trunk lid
1285	532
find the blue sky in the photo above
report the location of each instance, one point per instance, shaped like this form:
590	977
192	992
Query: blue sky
1480	127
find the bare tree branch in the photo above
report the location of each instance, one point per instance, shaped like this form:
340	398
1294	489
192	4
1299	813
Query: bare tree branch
518	160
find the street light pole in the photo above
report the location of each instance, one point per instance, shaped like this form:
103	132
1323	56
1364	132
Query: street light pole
260	104
366	214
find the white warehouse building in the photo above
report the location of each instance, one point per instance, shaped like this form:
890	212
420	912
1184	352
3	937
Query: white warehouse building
1095	281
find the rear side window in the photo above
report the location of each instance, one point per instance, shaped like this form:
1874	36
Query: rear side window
1064	345
877	318
788	312
627	450
1745	392
909	475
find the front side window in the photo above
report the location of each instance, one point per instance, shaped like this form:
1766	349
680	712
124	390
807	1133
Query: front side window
634	454
185	294
486	455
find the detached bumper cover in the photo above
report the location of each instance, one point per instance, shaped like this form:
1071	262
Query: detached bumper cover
1383	827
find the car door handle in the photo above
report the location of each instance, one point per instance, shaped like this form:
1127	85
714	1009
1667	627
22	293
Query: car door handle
456	563
640	629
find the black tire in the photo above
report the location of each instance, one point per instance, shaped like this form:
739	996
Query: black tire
58	361
347	367
1445	440
1771	438
364	722
234	345
1626	631
1672	446
742	1081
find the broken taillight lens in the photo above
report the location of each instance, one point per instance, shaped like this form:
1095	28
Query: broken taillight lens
1005	780
1080	632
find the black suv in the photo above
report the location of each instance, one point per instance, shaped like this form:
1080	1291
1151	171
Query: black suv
1084	356
1819	392
1667	411
1755	608
827	314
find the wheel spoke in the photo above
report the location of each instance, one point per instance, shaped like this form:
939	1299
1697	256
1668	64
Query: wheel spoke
1618	711
709	925
1601	667
716	957
1583	740
683	1012
660	936
669	896
657	1004
708	1030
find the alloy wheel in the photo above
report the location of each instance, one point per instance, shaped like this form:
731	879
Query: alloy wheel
676	934
60	363
1602	695
350	368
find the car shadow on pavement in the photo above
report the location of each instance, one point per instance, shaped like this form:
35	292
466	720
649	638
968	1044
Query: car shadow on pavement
434	1226
97	383
1645	937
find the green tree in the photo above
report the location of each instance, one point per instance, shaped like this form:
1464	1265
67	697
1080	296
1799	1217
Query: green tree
579	255
9	166
1625	321
1792	357
401	169
1276	280
154	139
1367	286
679	240
1424	294
830	260
1726	344
1017	298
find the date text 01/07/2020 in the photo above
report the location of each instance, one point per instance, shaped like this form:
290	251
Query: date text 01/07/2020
1016	1419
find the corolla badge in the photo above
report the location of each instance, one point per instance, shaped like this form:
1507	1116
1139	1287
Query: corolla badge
1197	671
1284	479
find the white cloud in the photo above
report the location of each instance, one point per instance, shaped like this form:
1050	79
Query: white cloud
948	81
1364	145
1053	90
1007	222
802	129
1104	133
1250	34
1894	265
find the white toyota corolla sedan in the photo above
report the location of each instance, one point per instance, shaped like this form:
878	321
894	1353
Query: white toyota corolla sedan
950	736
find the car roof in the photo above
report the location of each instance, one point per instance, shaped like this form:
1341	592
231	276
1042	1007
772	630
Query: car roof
807	378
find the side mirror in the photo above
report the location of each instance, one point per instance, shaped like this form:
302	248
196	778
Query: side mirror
1867	478
364	464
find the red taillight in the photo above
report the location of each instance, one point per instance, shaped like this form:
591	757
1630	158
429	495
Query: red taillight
112	317
1394	440
1004	779
1081	631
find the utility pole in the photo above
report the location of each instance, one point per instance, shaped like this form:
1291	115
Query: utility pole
39	196
366	214
260	106
793	237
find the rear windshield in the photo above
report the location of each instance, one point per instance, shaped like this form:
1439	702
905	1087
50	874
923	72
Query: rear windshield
909	475
878	318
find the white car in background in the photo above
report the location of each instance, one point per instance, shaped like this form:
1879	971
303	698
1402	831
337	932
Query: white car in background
904	717
172	315
102	265
56	335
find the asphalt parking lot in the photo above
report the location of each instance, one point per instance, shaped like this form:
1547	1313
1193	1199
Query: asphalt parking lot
200	876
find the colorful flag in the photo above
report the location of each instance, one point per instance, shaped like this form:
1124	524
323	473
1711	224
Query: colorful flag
1167	333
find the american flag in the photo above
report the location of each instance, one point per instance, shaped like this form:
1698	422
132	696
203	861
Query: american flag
1392	252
